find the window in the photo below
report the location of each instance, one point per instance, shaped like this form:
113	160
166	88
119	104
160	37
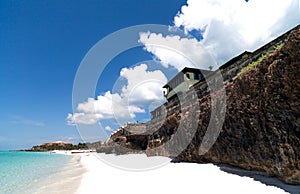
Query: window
198	76
188	76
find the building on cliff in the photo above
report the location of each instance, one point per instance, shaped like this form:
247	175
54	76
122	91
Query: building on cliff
229	71
261	129
182	82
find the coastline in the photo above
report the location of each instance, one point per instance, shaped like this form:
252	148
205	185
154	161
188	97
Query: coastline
39	172
171	178
85	173
65	180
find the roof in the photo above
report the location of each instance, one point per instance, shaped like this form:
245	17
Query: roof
235	59
190	69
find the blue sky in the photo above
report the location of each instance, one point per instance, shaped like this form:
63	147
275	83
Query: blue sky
42	43
41	46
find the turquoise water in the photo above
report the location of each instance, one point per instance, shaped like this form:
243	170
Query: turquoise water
21	172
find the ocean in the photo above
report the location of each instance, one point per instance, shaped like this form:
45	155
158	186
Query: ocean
38	172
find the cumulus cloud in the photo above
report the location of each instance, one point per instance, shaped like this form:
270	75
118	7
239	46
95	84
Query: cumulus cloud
108	128
175	51
228	28
142	87
81	118
106	106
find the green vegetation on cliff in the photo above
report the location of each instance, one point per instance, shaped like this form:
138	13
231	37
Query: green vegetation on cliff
260	59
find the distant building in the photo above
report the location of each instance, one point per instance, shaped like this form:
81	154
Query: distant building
182	82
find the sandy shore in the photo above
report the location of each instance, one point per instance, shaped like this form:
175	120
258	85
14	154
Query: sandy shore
171	178
64	179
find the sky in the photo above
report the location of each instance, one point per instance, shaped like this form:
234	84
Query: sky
42	44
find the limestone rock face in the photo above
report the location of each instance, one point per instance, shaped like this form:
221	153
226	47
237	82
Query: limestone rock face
261	130
262	124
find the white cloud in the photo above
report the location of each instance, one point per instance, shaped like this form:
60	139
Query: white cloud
142	88
176	51
106	106
108	128
81	118
228	28
234	26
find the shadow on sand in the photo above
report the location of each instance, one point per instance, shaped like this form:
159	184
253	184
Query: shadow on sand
258	176
261	177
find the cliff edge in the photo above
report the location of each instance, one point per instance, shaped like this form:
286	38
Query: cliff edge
261	130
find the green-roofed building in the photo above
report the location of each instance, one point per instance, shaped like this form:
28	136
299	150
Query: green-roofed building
182	82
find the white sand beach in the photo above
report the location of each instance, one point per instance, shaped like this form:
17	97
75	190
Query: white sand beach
64	182
171	178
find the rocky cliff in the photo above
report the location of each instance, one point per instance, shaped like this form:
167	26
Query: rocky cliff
261	130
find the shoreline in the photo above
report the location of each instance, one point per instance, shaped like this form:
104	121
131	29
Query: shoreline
65	180
39	172
86	173
76	168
